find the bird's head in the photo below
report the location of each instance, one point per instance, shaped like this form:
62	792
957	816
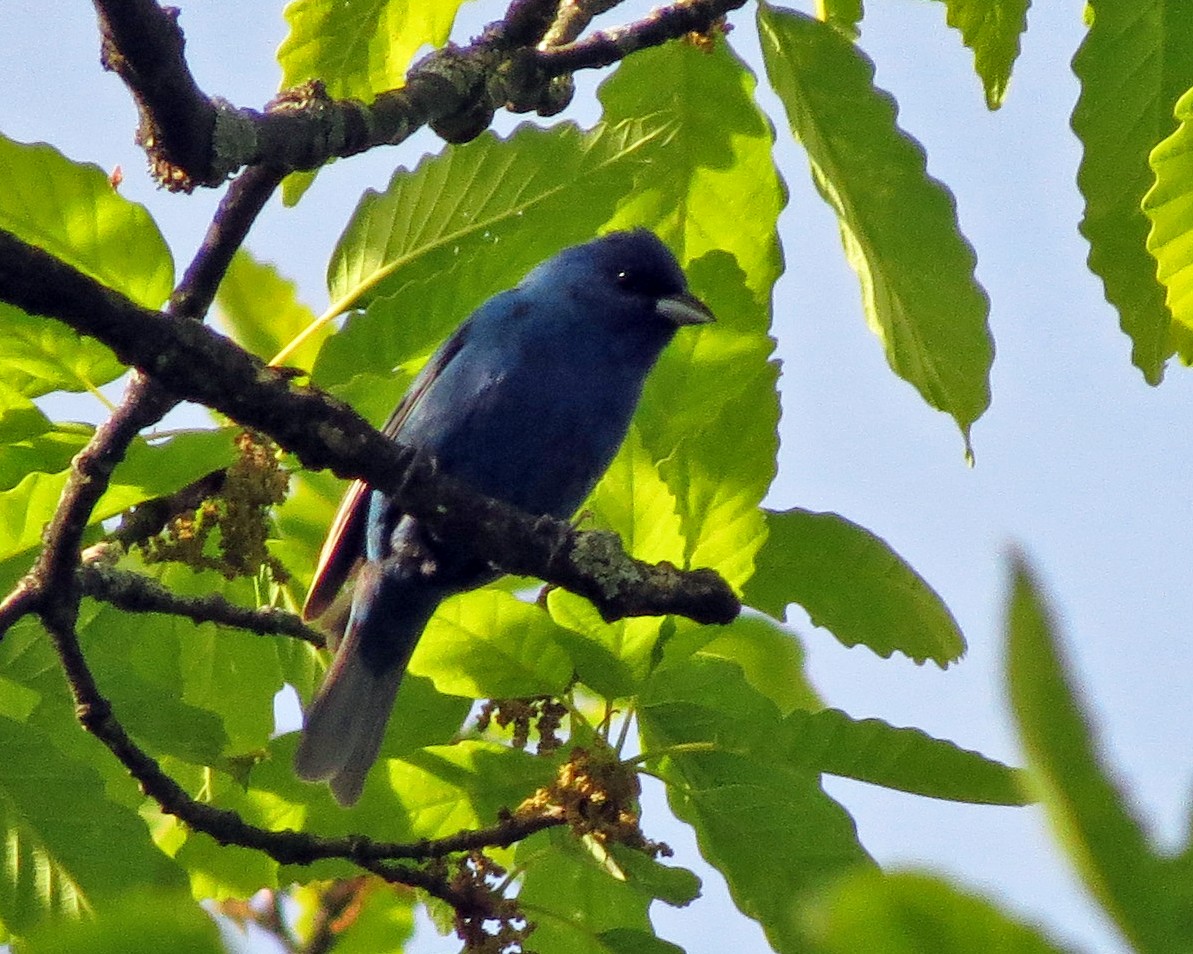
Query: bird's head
630	275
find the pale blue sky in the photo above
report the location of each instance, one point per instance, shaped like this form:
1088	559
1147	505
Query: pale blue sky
1078	461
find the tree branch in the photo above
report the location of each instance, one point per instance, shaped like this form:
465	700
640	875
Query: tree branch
573	19
196	140
141	42
607	47
288	847
150	517
134	593
197	364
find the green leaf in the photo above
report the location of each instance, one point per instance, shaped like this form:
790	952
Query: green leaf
843	15
1135	62
853	584
261	311
428	792
499	205
217	872
991	28
59	833
444	789
572	898
771	659
211	658
907	760
423	716
710	408
634	501
1169	206
20	418
148	470
144	922
17	702
39	355
910	913
711	168
629	941
491	645
359	48
48	452
1090	814
898	224
27	657
677	887
302	520
372	360
135	660
768	827
610	658
71	210
720	472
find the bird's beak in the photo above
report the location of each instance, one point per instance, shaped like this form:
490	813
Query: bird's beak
684	309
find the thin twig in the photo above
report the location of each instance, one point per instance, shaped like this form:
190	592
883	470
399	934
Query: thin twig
227	827
150	517
573	19
607	47
134	593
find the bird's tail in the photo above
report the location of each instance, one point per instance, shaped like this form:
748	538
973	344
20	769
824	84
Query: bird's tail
344	726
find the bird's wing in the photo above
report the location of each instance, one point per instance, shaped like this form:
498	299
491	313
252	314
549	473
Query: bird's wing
344	547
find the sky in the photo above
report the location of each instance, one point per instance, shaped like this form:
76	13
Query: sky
1078	461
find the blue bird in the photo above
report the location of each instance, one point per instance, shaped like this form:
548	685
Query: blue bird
526	402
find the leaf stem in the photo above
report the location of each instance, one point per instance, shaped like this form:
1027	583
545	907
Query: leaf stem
679	748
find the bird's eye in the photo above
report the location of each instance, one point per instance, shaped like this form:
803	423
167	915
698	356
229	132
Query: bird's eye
644	281
637	282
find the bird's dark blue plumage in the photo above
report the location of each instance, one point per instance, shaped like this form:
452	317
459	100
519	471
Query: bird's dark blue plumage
527	402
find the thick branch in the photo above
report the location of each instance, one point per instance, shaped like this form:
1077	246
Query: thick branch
193	139
142	43
197	364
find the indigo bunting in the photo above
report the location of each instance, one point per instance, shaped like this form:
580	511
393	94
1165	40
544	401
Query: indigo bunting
526	402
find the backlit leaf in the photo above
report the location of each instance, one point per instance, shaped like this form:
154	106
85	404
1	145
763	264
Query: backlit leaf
1133	65
72	211
911	913
1089	812
898	224
854	585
